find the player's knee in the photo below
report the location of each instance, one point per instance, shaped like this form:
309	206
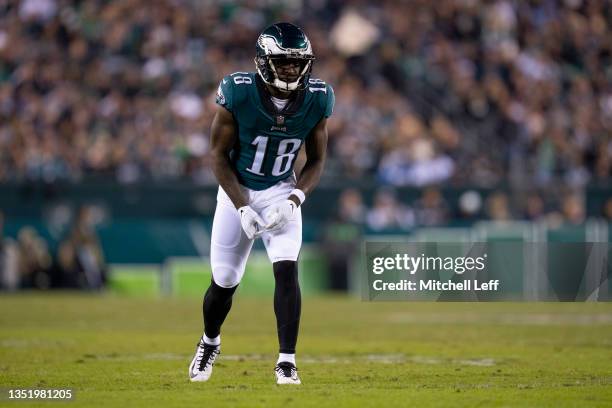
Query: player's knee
221	291
286	274
226	277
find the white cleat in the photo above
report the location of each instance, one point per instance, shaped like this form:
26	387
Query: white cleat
201	366
286	373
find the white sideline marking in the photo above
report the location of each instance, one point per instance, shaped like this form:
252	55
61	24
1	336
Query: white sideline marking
482	362
392	358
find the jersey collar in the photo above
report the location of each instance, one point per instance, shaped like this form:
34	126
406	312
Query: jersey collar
294	104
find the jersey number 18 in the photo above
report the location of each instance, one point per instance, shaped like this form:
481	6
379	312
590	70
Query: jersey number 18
285	156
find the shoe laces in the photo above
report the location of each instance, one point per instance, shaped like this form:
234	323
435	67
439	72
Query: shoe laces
286	369
206	355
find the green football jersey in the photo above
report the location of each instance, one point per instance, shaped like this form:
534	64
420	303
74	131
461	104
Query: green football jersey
270	139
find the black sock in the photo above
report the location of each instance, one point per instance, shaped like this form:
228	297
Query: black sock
287	304
217	304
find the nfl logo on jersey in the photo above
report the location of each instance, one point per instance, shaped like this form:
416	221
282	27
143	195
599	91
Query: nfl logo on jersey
280	120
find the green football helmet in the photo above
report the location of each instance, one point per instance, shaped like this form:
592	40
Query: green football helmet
278	43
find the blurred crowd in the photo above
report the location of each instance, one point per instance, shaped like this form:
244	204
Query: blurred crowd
27	262
428	92
388	212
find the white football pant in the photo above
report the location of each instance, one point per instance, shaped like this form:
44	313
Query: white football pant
230	247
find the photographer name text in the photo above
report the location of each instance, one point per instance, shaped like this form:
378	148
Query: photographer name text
435	285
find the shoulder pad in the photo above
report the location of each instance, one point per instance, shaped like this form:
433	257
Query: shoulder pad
324	93
239	83
233	89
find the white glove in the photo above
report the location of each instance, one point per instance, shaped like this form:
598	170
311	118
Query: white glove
280	214
252	224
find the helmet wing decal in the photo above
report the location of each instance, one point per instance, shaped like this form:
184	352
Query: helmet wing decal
271	46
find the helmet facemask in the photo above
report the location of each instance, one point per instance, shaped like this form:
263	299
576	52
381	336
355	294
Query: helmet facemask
269	66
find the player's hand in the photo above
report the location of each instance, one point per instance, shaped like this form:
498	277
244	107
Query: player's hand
252	224
280	214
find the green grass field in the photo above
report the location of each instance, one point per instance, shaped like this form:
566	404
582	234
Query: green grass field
118	351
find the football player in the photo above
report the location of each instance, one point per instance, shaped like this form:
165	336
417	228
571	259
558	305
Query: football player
262	121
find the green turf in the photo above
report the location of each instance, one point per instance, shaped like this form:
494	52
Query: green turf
121	352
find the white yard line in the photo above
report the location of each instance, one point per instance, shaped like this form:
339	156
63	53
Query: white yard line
391	358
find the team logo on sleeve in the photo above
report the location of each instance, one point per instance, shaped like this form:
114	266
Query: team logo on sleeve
220	96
